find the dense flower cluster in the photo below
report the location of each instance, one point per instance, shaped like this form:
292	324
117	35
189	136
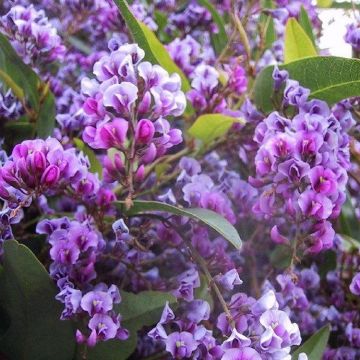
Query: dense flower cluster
32	36
126	107
301	167
135	218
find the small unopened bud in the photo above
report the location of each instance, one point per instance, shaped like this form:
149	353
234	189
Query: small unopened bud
50	176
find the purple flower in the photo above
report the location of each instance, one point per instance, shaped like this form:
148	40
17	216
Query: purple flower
323	180
245	353
65	252
144	132
321	237
294	94
355	284
121	97
229	279
97	302
181	344
102	328
280	333
279	77
315	204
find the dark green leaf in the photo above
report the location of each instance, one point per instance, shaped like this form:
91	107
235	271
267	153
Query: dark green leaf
207	217
315	346
268	24
95	165
327	263
45	122
135	29
350	225
137	311
27	87
28	297
144	308
329	78
18	76
219	39
281	256
306	24
17	131
297	43
210	126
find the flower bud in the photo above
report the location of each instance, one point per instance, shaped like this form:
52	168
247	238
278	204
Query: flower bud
139	175
50	176
144	132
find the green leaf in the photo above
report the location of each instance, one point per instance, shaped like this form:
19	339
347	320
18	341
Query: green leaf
328	263
281	256
207	217
349	223
28	297
297	44
349	244
268	24
162	56
325	3
135	29
95	165
45	122
306	24
137	311
16	75
27	87
144	308
329	78
210	126
219	39
315	346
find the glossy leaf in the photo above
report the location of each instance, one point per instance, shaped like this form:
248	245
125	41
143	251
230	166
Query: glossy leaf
28	297
18	76
135	29
315	346
95	165
210	126
137	311
297	43
207	217
220	38
329	78
28	88
268	24
305	23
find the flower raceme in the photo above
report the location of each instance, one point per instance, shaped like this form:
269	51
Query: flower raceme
301	166
43	167
127	104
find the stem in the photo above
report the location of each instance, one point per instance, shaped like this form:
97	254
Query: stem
198	258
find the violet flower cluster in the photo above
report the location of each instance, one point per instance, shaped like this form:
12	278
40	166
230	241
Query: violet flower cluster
32	35
280	179
301	167
126	107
